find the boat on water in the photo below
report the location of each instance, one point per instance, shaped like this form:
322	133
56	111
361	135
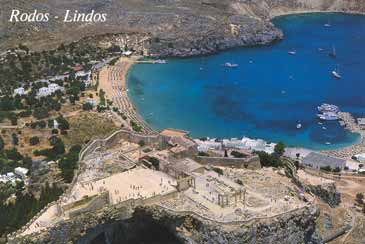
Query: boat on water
325	107
328	116
160	61
328	143
336	73
333	54
324	128
292	52
230	65
299	126
327	25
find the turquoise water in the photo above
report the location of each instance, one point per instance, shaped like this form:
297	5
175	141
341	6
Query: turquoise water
270	91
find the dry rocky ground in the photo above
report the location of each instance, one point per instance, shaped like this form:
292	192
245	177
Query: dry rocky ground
188	27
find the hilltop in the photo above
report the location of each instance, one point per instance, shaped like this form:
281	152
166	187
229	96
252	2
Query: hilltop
163	22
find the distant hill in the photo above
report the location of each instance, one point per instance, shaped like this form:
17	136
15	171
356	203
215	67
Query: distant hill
189	20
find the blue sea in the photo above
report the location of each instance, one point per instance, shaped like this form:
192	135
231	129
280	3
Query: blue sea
270	92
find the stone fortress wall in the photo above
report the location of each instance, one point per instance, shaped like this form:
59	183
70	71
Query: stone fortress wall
252	162
95	203
124	210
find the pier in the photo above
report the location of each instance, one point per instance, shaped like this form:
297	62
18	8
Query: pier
349	122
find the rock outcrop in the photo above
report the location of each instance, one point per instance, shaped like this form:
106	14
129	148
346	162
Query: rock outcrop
164	27
113	225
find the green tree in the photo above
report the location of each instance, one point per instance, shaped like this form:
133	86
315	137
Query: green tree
15	139
2	144
359	198
34	140
40	112
87	106
63	123
279	149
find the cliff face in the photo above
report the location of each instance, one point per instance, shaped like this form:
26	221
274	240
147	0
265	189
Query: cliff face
156	225
172	27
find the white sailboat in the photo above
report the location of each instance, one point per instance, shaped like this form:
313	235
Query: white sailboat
336	73
292	52
230	65
333	54
328	24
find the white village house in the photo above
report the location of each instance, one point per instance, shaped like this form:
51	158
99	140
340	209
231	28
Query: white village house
19	91
46	91
85	77
21	172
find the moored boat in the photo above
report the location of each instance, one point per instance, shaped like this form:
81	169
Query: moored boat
328	116
160	61
333	54
230	65
336	74
325	107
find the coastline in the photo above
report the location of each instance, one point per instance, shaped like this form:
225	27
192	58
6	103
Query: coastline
297	12
113	81
345	151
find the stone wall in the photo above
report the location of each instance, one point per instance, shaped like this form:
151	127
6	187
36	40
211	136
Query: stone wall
93	205
252	162
297	226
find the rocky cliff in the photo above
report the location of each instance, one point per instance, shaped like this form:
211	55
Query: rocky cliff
157	225
166	27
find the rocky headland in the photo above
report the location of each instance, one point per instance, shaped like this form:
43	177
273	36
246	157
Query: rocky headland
164	27
123	225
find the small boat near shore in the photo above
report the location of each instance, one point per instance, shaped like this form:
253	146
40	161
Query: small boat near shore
292	52
299	126
328	116
325	107
328	24
160	61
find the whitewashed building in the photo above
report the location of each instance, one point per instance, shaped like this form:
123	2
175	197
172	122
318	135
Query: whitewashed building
204	146
46	91
55	124
19	91
249	144
9	177
360	157
53	87
85	76
21	172
127	53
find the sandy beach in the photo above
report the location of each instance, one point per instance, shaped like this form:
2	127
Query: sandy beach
113	81
112	78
